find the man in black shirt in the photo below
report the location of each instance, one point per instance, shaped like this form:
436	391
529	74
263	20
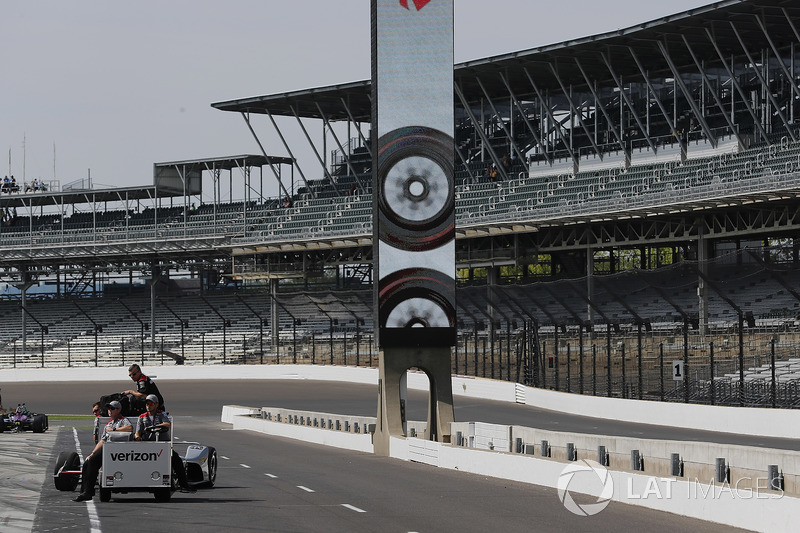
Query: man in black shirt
144	387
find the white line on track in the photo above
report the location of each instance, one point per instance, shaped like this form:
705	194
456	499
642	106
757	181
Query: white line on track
94	520
301	487
243	465
353	508
223	457
271	476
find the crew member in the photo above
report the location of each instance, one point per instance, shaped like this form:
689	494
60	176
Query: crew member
146	427
91	466
97	411
144	386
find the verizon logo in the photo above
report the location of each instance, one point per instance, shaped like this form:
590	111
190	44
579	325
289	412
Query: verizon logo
136	456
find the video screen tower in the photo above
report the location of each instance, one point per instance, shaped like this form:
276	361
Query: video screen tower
414	204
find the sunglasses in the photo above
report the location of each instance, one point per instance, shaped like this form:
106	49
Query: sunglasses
95	411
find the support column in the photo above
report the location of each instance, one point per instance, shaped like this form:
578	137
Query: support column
394	363
702	293
493	280
23	287
590	285
155	277
274	319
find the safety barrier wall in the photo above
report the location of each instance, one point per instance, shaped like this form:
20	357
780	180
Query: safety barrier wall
781	423
726	504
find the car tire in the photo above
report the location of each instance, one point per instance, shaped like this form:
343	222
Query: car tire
105	495
66	461
39	423
212	467
162	495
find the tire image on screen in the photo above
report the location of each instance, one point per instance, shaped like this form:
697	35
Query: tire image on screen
419	297
415	188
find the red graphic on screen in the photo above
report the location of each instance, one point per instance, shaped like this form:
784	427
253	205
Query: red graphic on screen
419	4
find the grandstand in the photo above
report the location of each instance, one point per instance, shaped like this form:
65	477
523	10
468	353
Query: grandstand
646	211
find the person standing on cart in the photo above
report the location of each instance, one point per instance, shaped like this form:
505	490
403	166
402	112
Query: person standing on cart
91	466
144	387
147	428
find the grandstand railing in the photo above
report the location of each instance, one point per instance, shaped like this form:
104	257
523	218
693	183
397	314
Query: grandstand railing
531	198
621	365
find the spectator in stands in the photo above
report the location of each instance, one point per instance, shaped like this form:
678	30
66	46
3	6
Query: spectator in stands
493	175
155	418
353	189
9	185
144	386
91	466
287	202
506	162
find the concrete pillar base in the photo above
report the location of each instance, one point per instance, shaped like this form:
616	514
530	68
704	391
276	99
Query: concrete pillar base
394	362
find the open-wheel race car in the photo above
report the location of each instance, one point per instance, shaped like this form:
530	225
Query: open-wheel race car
20	419
140	466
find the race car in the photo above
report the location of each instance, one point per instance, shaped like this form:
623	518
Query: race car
20	419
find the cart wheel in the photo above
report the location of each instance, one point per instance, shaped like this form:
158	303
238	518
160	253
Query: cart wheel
66	461
212	467
162	495
105	495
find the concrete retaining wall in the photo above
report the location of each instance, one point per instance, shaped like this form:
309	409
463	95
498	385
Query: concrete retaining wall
782	423
337	439
759	511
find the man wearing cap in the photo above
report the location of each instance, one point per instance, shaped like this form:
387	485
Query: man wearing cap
144	386
91	466
155	418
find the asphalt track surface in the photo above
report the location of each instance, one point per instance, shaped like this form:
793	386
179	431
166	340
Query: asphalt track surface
272	484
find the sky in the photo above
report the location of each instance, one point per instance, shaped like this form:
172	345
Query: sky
106	89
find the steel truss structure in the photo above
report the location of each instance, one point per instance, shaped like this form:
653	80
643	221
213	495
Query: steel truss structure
705	83
564	126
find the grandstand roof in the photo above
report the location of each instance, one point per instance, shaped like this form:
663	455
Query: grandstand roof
228	162
81	196
146	192
726	21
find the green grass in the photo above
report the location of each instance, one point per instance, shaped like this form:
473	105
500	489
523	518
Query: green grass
70	417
